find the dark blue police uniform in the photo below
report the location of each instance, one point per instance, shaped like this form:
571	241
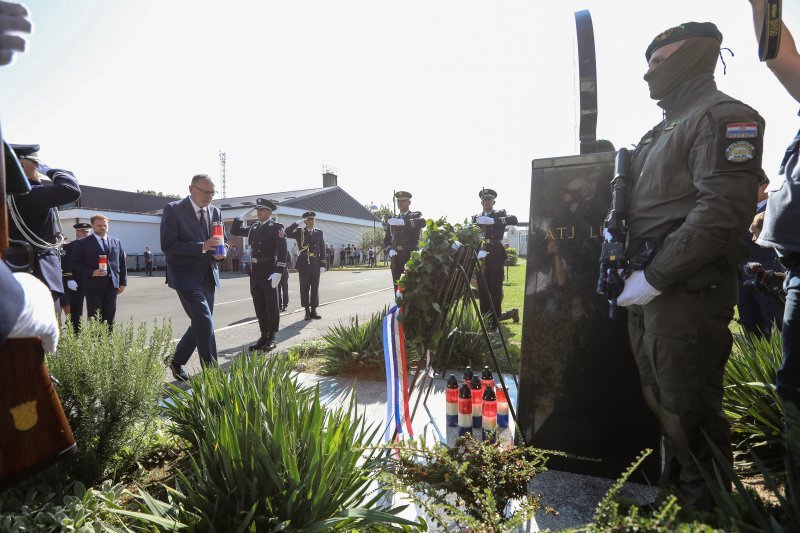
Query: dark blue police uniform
309	261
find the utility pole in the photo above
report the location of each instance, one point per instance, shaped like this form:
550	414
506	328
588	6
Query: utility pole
223	157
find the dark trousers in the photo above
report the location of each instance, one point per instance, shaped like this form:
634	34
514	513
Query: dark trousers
757	312
681	343
103	300
399	264
309	284
492	290
265	299
789	373
284	289
75	306
199	306
235	262
148	269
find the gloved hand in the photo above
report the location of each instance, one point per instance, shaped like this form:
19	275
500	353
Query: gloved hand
38	316
322	269
301	222
485	220
396	222
247	213
392	253
482	254
73	285
274	279
13	20
637	290
43	169
456	245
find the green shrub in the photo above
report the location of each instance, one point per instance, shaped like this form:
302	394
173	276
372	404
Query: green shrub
751	401
355	349
269	456
110	386
513	256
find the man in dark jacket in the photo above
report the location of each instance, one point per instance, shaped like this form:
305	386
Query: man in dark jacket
310	263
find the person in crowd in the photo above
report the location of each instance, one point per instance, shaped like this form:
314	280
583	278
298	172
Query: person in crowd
192	256
692	211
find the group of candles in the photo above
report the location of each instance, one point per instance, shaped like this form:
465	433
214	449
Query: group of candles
476	404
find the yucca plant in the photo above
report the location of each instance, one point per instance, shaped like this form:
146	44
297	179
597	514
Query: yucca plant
751	401
269	456
355	349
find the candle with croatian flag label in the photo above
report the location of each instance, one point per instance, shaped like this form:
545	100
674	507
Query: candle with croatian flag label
489	414
487	380
502	407
452	401
216	229
477	402
464	410
102	263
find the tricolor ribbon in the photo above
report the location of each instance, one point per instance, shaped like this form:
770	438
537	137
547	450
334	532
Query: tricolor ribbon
398	413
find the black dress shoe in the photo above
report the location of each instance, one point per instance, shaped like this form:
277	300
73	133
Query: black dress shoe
178	373
308	315
314	314
258	345
269	345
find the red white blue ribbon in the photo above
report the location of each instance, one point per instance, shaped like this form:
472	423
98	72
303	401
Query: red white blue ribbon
398	414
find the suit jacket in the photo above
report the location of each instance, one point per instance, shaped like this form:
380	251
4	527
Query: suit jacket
12	302
182	243
85	259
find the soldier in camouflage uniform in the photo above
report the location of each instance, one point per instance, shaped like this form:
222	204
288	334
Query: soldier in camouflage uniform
695	180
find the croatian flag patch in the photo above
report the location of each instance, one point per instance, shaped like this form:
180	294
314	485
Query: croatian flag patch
741	130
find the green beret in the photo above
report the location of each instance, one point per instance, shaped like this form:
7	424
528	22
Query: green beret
684	31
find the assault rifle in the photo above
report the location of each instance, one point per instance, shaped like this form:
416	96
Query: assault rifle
615	232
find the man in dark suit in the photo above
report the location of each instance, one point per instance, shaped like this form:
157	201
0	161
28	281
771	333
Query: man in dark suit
76	294
493	226
33	217
193	257
402	234
310	263
99	261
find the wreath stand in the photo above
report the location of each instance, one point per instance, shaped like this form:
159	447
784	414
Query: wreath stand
453	298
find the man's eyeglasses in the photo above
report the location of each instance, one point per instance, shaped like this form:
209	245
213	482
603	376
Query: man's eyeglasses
207	193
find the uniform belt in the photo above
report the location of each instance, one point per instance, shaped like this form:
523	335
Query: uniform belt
311	254
405	247
256	260
493	241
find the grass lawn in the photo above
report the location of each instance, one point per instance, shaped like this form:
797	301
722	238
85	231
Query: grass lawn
514	296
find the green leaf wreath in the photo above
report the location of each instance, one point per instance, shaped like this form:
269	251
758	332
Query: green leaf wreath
425	274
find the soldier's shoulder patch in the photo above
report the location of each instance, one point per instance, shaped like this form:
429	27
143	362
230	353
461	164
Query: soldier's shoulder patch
741	130
740	151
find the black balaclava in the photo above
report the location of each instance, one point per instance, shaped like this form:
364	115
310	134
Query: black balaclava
697	55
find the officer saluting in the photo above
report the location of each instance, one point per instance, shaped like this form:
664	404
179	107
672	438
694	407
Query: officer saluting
70	278
311	261
402	234
34	217
493	225
267	240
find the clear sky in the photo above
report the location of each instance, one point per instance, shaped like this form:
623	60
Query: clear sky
439	98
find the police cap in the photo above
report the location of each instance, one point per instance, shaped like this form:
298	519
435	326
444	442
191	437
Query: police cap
82	225
263	203
402	195
681	32
309	214
487	194
26	151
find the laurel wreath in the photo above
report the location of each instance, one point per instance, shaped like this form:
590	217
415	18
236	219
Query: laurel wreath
425	274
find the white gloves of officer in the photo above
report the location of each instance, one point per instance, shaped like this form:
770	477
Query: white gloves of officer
321	270
637	290
396	222
274	279
72	285
455	246
484	220
301	222
247	213
392	253
38	316
482	254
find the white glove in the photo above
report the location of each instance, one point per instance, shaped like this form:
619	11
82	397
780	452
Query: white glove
637	290
396	222
456	245
482	254
392	253
38	316
274	279
321	270
301	222
485	220
244	215
73	285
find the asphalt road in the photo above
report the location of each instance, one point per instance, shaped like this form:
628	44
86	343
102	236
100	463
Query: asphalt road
343	294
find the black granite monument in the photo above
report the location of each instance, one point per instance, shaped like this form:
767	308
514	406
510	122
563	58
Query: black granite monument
579	389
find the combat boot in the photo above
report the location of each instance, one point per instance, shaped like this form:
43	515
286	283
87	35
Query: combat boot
314	314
